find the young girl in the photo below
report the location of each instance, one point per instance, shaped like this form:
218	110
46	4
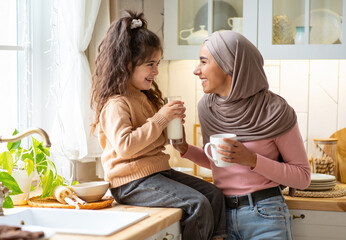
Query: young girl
132	118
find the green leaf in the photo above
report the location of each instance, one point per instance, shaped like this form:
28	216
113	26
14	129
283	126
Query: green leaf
57	182
43	149
32	188
75	183
29	166
27	155
13	145
6	161
35	144
16	153
10	183
8	203
47	182
52	167
41	163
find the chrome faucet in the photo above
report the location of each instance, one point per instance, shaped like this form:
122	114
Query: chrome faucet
26	133
4	192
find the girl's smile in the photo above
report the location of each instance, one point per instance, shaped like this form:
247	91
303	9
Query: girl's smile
144	74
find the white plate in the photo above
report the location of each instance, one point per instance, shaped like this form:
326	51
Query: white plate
326	26
319	177
319	188
322	182
323	185
222	11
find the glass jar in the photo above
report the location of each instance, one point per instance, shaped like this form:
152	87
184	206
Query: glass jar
324	156
299	38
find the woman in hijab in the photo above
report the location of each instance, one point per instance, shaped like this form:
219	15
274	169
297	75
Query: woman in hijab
238	101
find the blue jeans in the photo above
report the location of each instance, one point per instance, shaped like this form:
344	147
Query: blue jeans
267	219
202	203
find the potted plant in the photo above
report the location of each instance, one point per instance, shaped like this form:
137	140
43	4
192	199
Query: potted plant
18	164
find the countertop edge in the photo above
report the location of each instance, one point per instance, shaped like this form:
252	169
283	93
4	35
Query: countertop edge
149	226
159	219
337	204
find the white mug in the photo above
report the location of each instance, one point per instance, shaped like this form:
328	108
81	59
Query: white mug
174	127
236	23
215	140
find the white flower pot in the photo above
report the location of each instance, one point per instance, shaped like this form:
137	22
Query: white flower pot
24	182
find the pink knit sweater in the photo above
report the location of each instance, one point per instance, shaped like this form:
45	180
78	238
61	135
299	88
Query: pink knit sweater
239	179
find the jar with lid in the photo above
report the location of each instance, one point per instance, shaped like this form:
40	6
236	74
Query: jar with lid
323	159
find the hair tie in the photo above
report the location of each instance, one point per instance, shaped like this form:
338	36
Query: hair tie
136	23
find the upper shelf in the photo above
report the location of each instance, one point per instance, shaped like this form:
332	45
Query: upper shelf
277	28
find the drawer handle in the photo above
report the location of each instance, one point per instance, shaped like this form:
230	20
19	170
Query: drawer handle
302	216
168	236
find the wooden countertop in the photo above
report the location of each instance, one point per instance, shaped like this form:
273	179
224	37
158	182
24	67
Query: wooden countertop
319	204
159	218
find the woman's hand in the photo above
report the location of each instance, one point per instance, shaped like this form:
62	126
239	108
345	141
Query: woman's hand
237	153
174	109
182	148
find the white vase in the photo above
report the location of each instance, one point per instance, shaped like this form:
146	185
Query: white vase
24	182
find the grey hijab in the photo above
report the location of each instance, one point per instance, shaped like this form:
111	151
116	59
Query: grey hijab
250	110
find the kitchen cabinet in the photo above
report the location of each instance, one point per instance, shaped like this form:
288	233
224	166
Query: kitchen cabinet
188	23
171	232
283	29
276	27
317	218
318	225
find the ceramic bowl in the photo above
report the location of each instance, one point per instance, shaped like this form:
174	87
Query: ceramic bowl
91	191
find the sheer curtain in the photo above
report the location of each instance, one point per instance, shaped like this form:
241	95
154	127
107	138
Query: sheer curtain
73	26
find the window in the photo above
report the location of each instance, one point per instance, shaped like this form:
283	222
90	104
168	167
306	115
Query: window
15	66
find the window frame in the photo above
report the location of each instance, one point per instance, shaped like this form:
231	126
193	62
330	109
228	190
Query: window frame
24	69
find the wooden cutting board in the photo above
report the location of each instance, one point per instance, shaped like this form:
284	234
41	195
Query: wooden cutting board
341	149
50	202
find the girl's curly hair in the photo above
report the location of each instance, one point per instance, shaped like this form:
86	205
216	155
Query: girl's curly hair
123	47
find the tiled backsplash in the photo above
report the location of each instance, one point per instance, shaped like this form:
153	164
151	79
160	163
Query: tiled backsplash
316	89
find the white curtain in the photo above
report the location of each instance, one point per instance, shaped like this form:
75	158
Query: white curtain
74	26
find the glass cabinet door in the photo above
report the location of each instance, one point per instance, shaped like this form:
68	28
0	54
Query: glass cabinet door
284	14
197	19
325	21
192	22
187	23
301	29
290	22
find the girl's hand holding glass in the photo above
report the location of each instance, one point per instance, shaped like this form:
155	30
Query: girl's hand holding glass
172	110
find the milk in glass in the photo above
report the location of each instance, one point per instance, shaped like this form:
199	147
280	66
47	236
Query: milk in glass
174	127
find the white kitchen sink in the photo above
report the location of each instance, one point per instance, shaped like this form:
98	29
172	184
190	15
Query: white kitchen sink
88	222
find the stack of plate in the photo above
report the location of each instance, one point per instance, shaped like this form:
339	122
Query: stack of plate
321	182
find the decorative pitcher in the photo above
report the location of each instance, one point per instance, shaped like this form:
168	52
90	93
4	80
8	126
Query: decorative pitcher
194	38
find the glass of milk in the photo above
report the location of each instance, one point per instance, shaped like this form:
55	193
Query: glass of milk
174	127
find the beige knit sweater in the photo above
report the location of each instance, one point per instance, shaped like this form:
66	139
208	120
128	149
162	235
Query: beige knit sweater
132	137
